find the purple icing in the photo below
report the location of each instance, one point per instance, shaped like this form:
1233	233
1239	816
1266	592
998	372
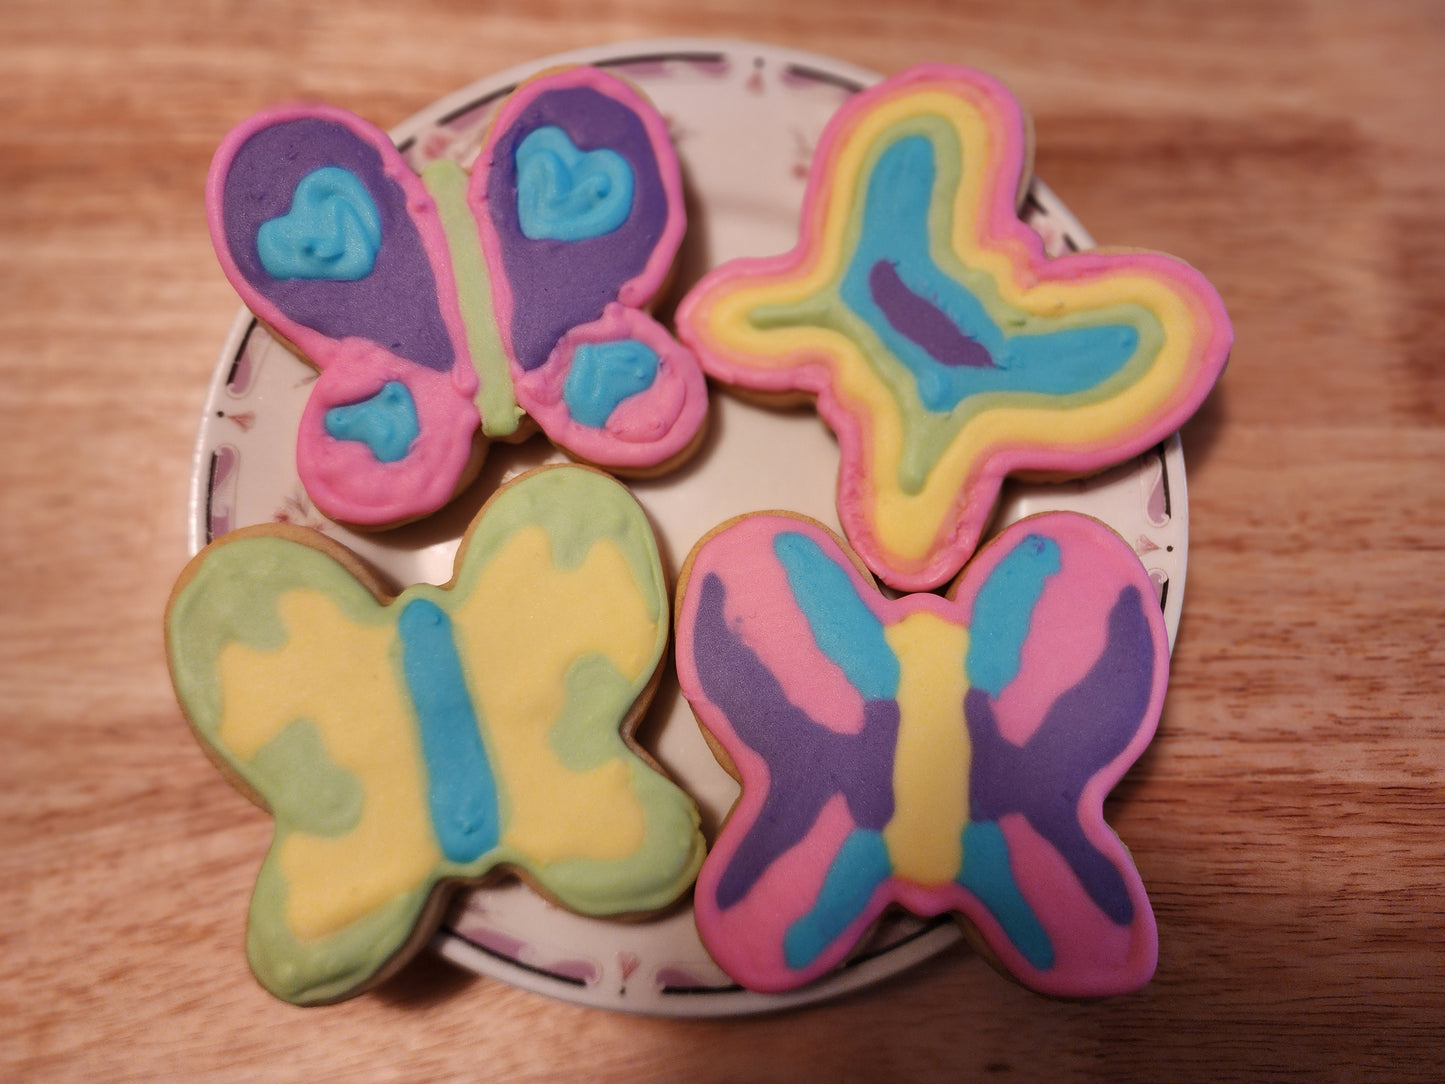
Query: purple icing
395	304
561	284
1084	730
923	322
808	762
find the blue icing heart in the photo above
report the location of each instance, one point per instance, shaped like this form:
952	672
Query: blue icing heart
386	423
604	374
564	194
333	230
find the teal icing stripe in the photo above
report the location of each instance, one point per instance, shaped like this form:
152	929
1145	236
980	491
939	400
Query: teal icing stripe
332	231
1003	612
986	873
861	866
604	374
566	194
462	791
843	626
387	423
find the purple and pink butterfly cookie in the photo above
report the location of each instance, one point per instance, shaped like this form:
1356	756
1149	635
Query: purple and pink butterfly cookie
446	310
939	754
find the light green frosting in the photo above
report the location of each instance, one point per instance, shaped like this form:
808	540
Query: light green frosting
447	183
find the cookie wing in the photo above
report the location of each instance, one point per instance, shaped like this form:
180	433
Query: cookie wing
283	662
560	617
336	245
578	197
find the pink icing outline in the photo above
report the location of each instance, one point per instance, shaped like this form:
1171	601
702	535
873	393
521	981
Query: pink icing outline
646	429
640	289
1093	957
1001	230
379	493
344	479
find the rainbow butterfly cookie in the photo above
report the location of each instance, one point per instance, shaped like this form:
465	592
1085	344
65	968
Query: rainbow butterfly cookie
940	754
441	735
942	346
444	311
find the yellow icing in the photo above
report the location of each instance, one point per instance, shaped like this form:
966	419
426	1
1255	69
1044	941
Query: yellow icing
337	674
522	622
931	764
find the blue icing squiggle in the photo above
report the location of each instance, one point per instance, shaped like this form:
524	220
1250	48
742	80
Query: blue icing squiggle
461	789
566	194
333	230
604	374
1003	611
894	234
843	626
387	423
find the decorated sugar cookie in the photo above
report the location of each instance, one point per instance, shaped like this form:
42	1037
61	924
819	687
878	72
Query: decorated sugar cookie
437	736
939	754
941	345
445	311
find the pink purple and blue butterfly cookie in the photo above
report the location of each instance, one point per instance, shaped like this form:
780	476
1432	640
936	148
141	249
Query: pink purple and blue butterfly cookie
942	346
444	311
442	735
938	754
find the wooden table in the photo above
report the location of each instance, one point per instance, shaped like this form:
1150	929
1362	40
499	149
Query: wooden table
1289	821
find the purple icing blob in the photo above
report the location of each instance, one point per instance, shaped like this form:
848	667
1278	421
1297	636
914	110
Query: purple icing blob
1085	729
923	322
561	284
395	304
809	763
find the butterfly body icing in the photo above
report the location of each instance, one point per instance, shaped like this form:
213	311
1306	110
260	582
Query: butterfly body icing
941	344
445	310
441	735
939	754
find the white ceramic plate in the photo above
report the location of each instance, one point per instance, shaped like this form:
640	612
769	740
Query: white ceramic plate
745	119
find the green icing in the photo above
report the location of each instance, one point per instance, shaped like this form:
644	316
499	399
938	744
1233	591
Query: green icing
315	972
586	736
303	785
447	183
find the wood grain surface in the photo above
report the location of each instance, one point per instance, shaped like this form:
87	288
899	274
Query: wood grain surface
1289	821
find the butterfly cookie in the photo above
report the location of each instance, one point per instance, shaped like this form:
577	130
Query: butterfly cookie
446	310
939	754
439	735
942	346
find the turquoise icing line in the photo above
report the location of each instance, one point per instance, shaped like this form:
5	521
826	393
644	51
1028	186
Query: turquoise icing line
332	231
861	866
1003	611
604	374
895	231
845	629
462	791
387	423
566	194
987	874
